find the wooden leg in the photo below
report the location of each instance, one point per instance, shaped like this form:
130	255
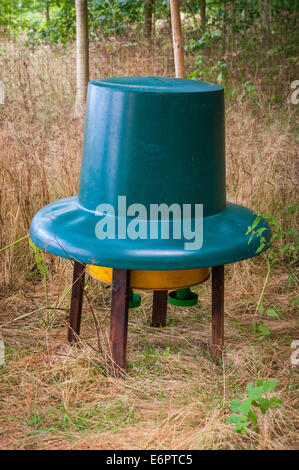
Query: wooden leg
119	317
217	311
76	302
160	298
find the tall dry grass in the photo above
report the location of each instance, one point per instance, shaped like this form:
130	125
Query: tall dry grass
174	396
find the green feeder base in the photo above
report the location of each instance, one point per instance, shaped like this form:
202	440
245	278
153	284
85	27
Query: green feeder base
183	297
135	300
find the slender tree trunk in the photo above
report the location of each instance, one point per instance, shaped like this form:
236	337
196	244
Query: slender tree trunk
148	18
224	18
82	55
47	11
203	12
153	26
267	16
224	26
178	48
20	14
233	12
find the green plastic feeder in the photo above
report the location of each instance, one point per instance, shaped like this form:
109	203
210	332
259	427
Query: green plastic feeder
183	297
150	141
154	141
135	300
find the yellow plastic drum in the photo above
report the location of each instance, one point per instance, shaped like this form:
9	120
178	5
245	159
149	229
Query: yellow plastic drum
155	280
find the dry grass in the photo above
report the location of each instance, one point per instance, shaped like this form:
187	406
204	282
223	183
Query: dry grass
174	397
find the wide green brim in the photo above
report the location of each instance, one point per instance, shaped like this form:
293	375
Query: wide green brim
66	229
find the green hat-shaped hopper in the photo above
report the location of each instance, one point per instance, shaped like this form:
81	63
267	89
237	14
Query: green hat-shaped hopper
150	141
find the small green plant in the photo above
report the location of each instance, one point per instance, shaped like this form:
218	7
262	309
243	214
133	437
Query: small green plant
35	421
261	330
244	413
253	230
208	38
42	267
216	72
286	253
249	90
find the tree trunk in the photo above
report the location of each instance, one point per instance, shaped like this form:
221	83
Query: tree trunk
148	19
177	39
20	14
267	16
224	25
203	12
82	59
47	11
224	18
233	12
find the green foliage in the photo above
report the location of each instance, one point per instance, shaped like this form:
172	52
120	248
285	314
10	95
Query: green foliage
253	230
287	252
108	17
261	330
42	267
216	72
207	39
60	29
244	413
113	17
